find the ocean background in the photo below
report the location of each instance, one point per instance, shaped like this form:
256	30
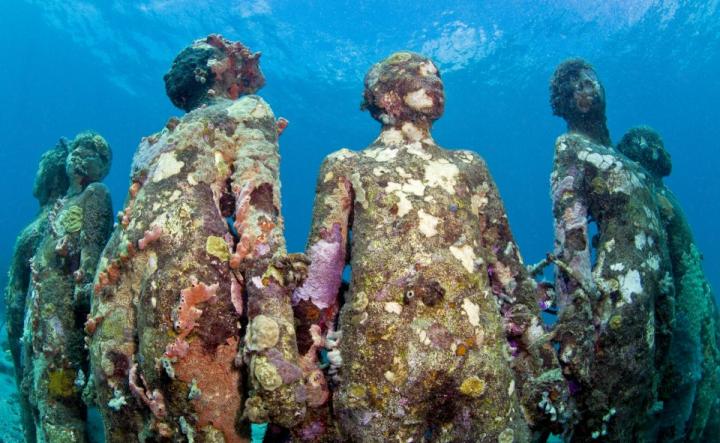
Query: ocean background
71	65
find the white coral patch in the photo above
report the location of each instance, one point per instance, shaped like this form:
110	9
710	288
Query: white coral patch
419	100
618	267
379	171
392	137
412	132
239	109
257	281
417	149
402	172
381	154
653	262
466	156
414	187
427	68
441	173
473	311
341	154
600	161
466	255
428	223
393	307
359	190
535	331
609	245
630	284
404	205
167	166
640	240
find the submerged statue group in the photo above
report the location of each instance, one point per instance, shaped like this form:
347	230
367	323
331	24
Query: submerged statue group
188	321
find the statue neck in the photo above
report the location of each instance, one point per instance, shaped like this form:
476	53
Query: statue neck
408	132
595	129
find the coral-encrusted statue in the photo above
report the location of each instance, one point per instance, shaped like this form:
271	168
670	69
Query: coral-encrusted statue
51	183
614	289
421	350
55	359
197	259
691	383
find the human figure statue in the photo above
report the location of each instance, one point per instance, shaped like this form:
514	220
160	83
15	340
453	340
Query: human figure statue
51	183
420	352
691	384
62	268
194	285
614	289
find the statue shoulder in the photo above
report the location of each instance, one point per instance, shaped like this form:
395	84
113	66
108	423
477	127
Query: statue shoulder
341	157
469	157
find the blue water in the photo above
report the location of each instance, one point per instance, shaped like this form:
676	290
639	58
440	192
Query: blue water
70	65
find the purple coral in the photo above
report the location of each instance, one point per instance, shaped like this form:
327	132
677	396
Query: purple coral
325	272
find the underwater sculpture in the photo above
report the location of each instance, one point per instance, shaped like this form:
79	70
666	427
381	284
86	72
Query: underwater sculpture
51	183
691	384
421	352
615	309
194	286
62	269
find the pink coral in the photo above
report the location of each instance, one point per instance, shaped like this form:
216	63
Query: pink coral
150	236
281	124
177	349
153	400
327	258
188	313
236	291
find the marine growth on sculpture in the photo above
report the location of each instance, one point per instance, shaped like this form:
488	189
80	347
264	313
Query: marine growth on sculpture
51	183
690	386
437	285
192	312
54	365
188	321
613	286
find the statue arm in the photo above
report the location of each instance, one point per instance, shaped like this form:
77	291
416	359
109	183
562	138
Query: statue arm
96	229
269	275
327	243
19	276
316	303
570	213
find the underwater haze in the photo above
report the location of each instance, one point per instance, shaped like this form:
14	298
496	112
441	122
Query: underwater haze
71	65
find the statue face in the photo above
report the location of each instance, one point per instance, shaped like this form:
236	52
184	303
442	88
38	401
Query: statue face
404	87
86	160
588	93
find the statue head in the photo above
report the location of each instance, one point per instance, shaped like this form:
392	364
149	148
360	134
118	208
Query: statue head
212	68
644	145
51	180
405	87
89	158
576	94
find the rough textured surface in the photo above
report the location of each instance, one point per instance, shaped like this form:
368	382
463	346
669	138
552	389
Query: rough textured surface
51	183
615	314
199	254
691	381
54	357
420	351
210	69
